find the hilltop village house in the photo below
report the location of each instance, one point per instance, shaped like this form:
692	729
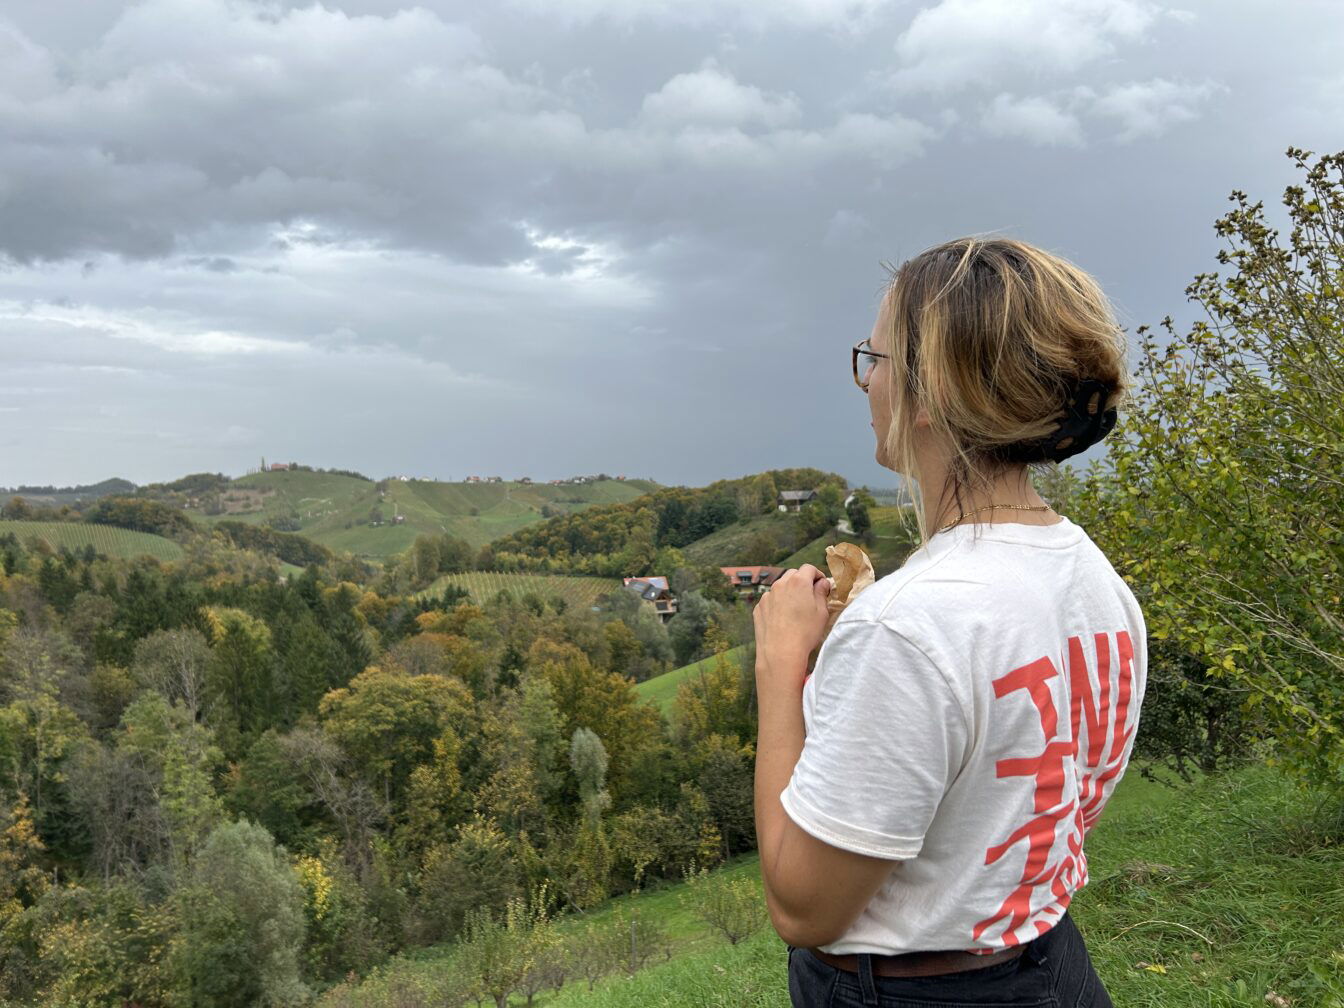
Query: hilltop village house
555	482
752	582
793	500
655	592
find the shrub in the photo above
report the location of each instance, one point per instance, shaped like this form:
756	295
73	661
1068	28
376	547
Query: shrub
592	952
511	953
732	907
1192	721
639	938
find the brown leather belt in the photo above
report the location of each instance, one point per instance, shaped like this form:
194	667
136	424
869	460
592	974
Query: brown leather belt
918	964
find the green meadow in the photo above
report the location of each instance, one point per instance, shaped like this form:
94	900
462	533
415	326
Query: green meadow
729	544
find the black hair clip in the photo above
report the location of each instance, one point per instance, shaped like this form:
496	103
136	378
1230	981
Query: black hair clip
1084	424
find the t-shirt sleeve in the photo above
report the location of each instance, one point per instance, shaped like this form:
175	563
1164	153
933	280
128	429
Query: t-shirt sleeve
885	739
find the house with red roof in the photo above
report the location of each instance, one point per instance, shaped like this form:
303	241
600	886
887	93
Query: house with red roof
751	582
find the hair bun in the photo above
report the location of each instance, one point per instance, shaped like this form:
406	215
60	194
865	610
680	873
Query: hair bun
1085	423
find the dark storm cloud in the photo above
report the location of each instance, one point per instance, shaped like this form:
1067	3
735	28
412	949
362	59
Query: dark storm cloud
455	237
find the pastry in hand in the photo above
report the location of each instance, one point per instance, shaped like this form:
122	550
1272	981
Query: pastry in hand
851	572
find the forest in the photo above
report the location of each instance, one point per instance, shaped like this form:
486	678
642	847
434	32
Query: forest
376	767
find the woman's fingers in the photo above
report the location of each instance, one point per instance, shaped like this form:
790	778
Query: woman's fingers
813	573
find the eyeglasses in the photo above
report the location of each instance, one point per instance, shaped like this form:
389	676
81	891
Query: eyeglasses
865	359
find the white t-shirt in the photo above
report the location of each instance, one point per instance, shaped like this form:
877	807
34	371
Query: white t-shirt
969	716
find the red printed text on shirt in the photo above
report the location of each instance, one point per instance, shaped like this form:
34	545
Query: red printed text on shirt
1052	869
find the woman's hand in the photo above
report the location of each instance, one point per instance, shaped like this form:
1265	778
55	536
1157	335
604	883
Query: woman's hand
790	620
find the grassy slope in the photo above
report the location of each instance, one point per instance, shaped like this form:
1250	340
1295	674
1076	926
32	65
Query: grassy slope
327	503
1234	887
889	550
314	496
662	690
1228	859
116	542
323	501
722	548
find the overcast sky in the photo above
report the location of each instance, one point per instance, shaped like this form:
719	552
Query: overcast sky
545	237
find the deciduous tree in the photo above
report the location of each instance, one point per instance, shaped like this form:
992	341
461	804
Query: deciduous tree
1223	500
242	913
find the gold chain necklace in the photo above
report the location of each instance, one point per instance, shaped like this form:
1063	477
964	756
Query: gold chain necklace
1015	507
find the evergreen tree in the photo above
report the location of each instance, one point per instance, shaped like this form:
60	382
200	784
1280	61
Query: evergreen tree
309	668
240	677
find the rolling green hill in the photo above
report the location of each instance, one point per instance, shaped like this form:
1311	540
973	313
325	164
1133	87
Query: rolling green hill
113	542
614	539
733	544
335	509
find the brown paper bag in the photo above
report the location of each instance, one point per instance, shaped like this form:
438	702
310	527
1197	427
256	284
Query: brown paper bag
851	572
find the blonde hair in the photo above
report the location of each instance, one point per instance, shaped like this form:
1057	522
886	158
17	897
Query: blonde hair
987	334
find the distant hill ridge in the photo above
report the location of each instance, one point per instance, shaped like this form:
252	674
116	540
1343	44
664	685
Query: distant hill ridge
54	495
338	509
597	526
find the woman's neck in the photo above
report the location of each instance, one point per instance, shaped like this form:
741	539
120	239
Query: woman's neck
1011	487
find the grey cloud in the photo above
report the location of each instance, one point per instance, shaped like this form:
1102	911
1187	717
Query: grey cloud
394	128
1037	119
959	44
215	264
753	14
1148	108
459	237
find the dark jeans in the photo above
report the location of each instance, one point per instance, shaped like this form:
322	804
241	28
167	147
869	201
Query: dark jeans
1053	972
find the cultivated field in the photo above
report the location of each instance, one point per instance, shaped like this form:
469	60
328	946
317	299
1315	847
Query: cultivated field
113	542
485	585
312	496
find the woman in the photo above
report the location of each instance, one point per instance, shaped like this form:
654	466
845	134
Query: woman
922	799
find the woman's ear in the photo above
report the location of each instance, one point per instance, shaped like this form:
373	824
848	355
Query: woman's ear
921	417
